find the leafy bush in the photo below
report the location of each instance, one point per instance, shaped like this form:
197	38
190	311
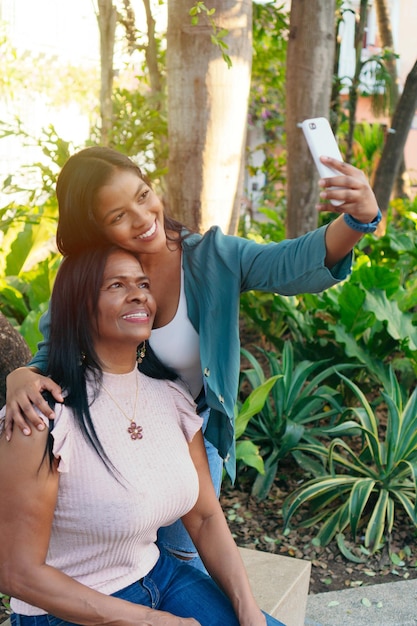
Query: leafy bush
367	147
28	256
300	408
362	488
370	318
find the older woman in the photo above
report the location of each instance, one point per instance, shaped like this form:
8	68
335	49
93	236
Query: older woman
81	505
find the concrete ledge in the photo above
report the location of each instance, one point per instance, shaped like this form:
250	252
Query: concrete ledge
387	604
280	584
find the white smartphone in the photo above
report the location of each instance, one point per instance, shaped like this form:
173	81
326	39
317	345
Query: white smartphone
322	142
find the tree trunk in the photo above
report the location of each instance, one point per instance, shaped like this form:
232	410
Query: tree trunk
354	88
151	53
394	146
107	18
14	352
207	113
387	41
311	49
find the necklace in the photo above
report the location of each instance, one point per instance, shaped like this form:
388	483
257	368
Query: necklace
134	430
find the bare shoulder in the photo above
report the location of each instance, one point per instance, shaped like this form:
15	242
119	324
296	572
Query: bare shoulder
22	452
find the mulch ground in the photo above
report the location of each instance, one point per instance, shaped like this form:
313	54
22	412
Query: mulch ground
259	525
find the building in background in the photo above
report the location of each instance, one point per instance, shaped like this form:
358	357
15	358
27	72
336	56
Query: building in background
403	14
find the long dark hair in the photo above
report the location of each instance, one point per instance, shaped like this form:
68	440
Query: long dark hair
72	357
77	186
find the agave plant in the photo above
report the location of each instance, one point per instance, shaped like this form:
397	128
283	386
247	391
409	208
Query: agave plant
299	408
362	490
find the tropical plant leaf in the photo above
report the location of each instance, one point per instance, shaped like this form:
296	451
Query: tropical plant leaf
377	523
358	499
348	554
248	453
399	324
253	404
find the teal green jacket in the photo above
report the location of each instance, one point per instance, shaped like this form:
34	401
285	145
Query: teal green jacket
217	269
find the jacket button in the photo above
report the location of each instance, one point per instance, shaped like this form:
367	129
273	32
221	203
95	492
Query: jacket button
221	399
206	371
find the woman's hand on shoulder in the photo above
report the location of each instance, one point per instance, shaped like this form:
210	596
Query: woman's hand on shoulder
24	391
352	188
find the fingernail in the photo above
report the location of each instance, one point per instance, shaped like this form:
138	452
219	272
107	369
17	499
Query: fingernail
7	438
26	431
41	426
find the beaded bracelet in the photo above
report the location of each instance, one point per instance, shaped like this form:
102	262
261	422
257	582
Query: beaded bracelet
359	226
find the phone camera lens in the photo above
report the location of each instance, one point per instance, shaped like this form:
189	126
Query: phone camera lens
312	125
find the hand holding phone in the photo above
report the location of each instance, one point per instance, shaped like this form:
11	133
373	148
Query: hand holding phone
322	142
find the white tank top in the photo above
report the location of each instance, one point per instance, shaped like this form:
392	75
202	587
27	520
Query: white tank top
177	345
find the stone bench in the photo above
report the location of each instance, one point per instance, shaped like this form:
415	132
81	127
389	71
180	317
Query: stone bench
280	585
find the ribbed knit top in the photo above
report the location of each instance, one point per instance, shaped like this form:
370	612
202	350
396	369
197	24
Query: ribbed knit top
104	527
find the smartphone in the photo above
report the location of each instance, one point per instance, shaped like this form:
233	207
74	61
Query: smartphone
322	142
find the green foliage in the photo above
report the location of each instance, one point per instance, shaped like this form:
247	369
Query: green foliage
267	93
368	144
41	176
28	257
217	34
267	99
5	600
375	72
362	488
271	229
28	265
140	128
370	318
301	408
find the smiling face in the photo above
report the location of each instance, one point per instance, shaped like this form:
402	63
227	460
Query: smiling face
126	310
130	214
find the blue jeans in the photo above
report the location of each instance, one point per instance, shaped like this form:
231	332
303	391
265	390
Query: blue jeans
170	586
174	539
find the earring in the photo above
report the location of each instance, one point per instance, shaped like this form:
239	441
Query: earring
141	352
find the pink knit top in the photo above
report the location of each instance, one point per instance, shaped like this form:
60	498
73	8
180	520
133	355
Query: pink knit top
104	530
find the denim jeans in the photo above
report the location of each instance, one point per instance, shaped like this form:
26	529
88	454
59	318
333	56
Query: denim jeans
170	586
174	539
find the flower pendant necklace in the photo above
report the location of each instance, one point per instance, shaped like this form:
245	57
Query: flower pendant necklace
134	430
